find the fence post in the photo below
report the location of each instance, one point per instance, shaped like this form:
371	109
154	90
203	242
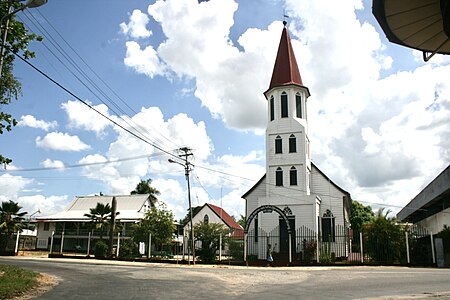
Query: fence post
62	243
432	248
220	247
51	242
16	248
407	248
118	245
361	246
89	244
149	253
290	246
245	246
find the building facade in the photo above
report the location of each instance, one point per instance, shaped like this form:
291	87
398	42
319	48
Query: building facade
310	200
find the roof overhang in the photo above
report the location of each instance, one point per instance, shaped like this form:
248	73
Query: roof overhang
434	198
287	85
419	24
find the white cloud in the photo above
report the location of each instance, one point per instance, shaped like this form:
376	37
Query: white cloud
48	163
82	117
47	205
31	121
121	177
11	186
144	61
136	28
61	141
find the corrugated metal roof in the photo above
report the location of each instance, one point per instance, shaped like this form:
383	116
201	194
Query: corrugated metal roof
129	207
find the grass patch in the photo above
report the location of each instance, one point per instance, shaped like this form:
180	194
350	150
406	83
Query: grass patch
15	281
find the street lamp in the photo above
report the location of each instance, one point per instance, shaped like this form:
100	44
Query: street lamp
6	17
187	169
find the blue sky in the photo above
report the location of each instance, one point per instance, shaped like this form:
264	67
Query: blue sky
193	74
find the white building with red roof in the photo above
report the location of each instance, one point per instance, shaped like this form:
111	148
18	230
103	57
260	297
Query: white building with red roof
210	213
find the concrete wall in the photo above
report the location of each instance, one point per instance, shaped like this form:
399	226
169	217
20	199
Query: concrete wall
436	222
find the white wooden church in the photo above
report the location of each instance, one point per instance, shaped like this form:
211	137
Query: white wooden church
308	199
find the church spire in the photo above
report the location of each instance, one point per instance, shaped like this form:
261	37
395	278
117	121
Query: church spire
285	70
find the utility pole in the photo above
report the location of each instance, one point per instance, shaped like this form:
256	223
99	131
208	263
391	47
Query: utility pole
186	153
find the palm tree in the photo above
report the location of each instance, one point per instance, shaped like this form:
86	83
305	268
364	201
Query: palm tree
11	219
144	187
100	216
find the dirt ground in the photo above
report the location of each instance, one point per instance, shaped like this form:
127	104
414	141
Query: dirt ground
45	283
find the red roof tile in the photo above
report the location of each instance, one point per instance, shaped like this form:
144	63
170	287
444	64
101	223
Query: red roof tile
226	218
285	70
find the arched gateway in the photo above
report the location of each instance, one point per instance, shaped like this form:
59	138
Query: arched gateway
267	209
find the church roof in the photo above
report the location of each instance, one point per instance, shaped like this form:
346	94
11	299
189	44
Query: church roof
285	70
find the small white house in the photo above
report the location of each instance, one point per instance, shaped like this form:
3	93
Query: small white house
74	225
210	213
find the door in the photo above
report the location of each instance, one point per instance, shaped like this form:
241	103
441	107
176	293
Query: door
284	236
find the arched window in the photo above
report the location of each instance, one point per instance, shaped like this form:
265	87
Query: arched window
298	105
279	177
292	144
278	145
328	227
272	108
293	176
205	219
284	105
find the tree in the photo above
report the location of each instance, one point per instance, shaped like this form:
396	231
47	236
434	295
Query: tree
209	235
100	216
159	222
18	40
11	220
360	215
187	218
384	238
242	221
144	187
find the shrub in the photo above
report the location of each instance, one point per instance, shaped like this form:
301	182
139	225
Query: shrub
128	248
101	249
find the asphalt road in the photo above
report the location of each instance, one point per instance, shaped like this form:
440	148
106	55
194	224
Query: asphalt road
117	280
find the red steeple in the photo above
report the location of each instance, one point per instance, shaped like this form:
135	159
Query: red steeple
285	70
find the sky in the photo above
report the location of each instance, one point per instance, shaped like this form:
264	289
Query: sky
184	73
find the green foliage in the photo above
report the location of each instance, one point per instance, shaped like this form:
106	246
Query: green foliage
236	248
309	247
326	256
187	218
360	215
11	220
242	220
159	222
100	216
209	235
17	41
384	239
144	187
101	249
15	281
128	249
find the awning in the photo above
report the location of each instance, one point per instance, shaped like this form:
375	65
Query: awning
419	24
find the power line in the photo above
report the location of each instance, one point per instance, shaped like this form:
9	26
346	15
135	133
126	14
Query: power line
79	165
90	84
91	107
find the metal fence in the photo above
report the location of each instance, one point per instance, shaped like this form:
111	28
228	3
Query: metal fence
412	246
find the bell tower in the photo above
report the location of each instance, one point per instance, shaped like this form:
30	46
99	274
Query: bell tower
288	160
